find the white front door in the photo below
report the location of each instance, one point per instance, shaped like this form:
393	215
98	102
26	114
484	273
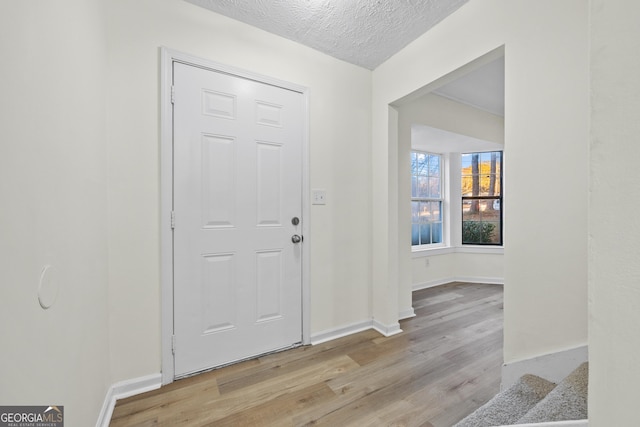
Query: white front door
238	207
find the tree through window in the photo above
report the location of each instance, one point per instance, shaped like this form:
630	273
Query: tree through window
426	198
482	198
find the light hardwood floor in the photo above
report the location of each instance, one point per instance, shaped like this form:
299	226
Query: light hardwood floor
444	364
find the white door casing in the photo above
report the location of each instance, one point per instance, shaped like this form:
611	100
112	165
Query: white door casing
238	181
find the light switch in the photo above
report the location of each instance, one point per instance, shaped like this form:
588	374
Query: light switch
319	197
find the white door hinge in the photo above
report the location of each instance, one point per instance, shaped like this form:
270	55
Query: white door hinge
173	94
173	344
173	220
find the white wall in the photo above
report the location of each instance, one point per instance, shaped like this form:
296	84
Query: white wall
340	132
439	268
79	169
57	153
444	114
53	189
614	271
546	126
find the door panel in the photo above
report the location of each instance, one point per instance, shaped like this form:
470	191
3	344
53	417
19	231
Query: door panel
237	184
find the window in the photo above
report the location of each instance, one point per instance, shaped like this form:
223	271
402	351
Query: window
426	198
482	198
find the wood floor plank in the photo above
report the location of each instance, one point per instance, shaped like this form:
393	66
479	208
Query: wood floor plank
248	398
279	411
426	402
134	411
445	364
276	366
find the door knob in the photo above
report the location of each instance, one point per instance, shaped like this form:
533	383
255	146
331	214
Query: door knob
296	238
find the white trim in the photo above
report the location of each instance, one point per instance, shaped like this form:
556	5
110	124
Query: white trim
475	249
423	252
343	331
479	279
387	330
354	328
306	220
166	207
479	249
168	56
553	367
406	314
465	279
431	284
125	389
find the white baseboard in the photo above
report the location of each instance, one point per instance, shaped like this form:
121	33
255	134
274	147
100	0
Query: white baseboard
553	367
343	331
466	279
478	279
406	314
431	283
125	389
387	330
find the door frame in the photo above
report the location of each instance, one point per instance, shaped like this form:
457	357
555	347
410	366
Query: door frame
167	58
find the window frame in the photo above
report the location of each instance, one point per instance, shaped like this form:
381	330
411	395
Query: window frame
442	200
498	197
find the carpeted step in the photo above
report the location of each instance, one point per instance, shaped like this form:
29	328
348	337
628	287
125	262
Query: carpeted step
568	401
510	405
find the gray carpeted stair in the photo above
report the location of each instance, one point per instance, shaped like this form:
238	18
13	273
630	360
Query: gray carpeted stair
568	401
535	400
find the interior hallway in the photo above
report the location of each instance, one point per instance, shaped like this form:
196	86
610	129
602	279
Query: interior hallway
445	364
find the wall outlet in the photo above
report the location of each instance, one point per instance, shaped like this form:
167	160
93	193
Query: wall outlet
319	197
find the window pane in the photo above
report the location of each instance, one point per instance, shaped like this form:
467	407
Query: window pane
436	232
473	233
466	164
436	211
421	164
466	206
481	174
434	165
434	188
425	212
415	212
496	237
426	194
414	164
491	210
415	235
482	217
423	187
481	221
467	182
425	234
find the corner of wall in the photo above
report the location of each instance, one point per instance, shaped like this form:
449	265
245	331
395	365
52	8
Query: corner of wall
553	367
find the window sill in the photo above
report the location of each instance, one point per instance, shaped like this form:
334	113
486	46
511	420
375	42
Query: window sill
422	252
481	249
443	250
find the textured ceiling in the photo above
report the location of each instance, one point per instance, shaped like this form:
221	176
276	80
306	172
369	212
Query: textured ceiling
362	32
482	88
